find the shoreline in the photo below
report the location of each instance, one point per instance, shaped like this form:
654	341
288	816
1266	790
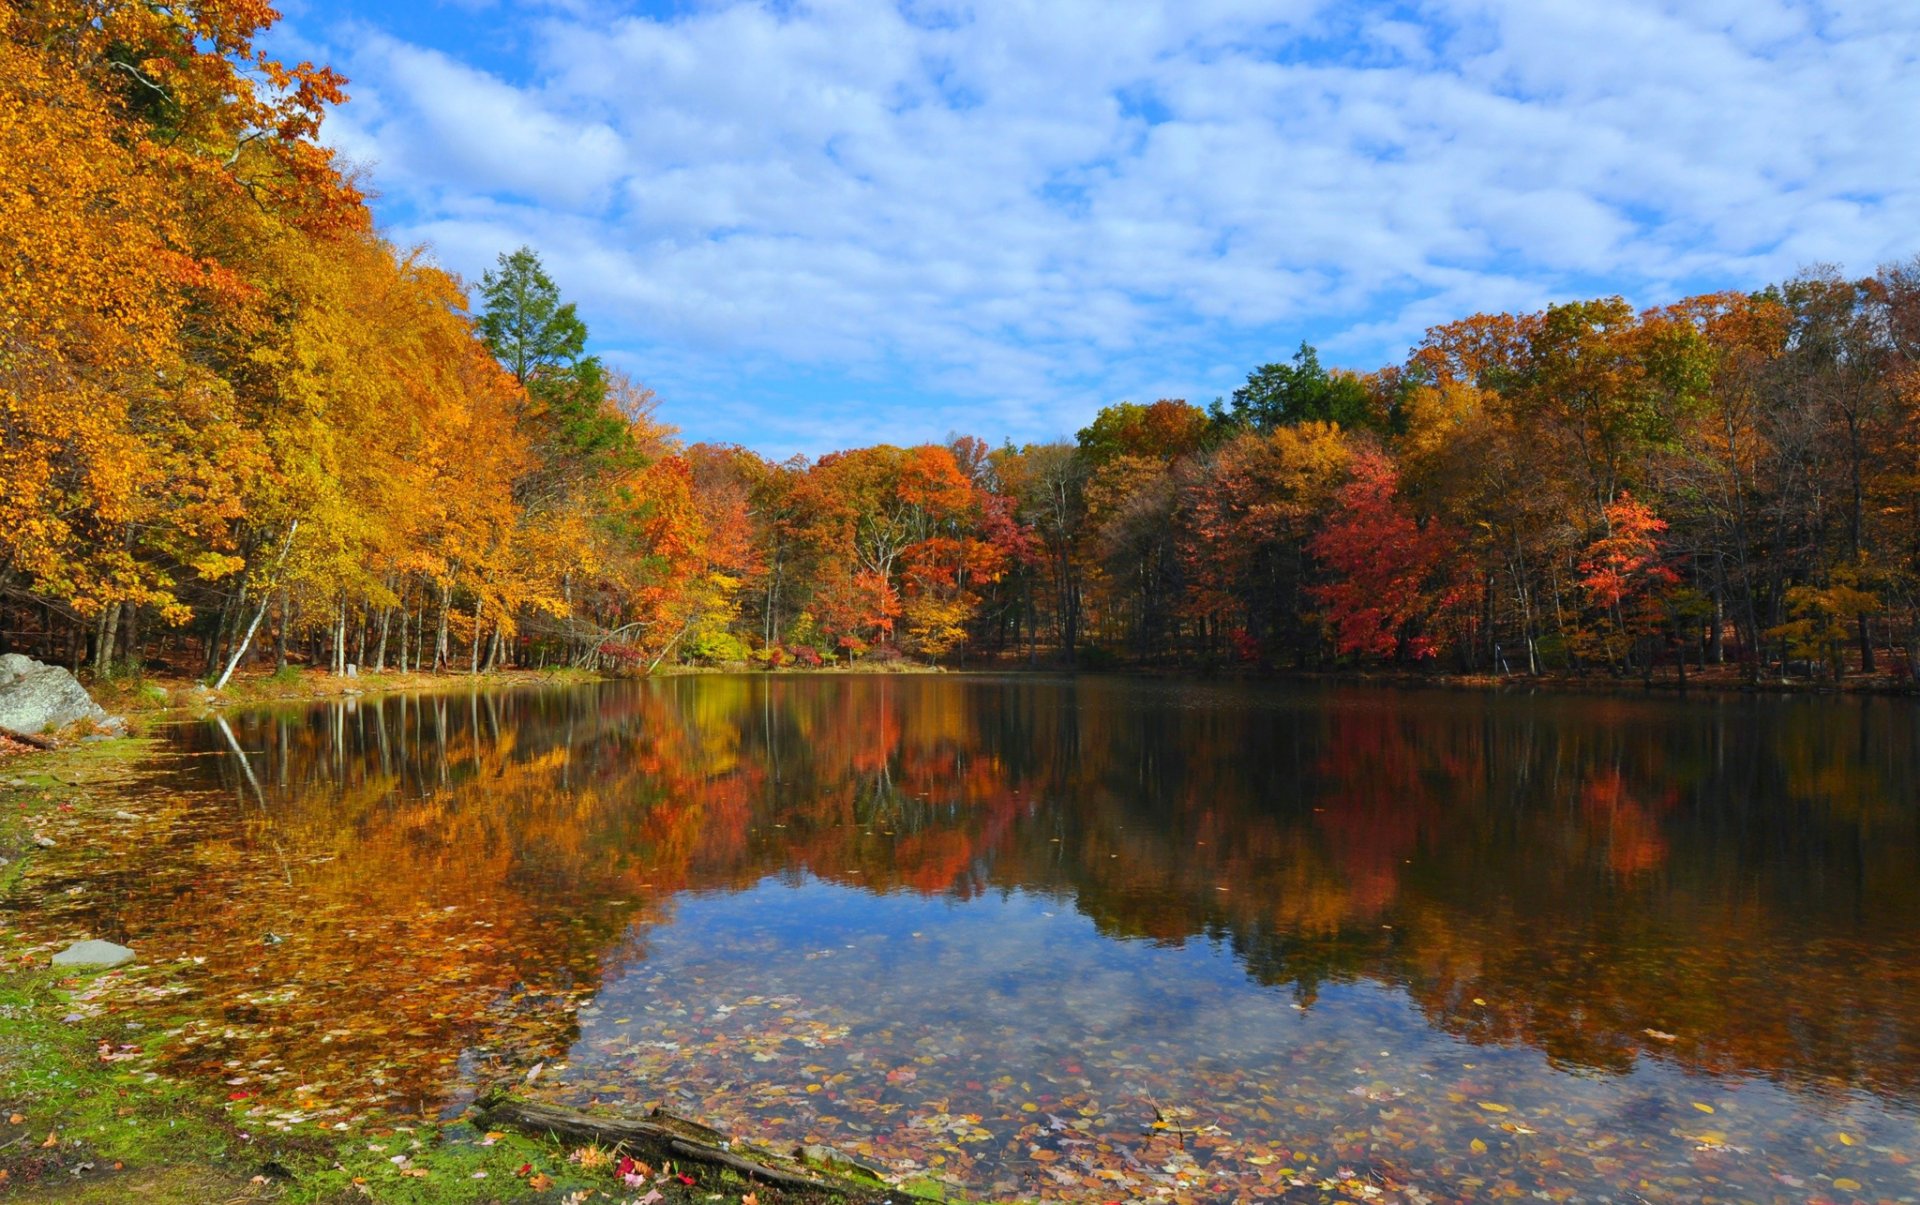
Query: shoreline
142	699
87	1115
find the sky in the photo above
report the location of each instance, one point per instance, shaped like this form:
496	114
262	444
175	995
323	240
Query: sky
820	225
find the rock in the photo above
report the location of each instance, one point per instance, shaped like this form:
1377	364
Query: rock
125	815
44	842
35	697
93	953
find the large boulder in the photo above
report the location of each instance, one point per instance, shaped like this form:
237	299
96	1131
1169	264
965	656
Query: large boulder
35	697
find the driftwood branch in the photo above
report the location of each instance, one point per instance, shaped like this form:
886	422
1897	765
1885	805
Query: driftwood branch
661	1135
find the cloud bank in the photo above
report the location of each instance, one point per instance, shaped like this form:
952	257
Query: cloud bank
818	224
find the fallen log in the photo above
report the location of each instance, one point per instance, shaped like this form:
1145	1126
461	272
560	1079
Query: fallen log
26	738
661	1135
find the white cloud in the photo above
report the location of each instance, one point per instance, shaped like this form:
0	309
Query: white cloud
1025	209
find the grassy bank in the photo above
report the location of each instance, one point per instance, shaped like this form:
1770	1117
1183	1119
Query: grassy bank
145	695
89	1113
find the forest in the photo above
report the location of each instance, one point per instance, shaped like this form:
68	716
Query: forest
240	428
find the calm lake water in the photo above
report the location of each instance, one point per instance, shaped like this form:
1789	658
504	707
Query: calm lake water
1088	940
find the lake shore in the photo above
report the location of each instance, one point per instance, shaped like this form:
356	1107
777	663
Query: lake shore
146	698
87	1114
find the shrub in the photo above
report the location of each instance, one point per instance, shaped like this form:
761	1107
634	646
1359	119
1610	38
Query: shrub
718	647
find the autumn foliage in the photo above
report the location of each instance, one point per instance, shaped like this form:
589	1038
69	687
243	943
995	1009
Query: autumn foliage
236	424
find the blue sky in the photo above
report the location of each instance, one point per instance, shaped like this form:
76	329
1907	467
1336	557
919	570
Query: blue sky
816	225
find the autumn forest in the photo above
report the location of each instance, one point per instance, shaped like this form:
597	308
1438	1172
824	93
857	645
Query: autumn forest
238	427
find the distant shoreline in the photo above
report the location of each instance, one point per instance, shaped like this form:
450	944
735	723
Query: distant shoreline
153	698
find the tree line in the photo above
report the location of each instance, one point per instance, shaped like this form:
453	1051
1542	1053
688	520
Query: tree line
236	424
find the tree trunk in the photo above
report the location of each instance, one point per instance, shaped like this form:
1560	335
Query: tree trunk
440	637
109	635
241	651
219	633
406	618
478	628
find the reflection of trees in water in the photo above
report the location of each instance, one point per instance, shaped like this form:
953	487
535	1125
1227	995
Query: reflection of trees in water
1598	872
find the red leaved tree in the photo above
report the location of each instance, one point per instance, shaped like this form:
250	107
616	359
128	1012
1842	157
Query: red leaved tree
1393	580
1625	576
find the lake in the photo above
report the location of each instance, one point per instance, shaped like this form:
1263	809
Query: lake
1081	939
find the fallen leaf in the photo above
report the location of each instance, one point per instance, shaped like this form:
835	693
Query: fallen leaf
53	1140
1703	1108
1490	1107
540	1183
1478	1147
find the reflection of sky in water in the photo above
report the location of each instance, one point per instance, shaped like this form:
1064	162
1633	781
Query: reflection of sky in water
745	999
1458	945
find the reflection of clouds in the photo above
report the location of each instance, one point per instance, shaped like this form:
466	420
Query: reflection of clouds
970	1037
1570	876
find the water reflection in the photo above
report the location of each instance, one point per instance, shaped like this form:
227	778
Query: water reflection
990	928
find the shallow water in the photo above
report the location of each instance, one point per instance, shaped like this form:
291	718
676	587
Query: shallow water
1092	940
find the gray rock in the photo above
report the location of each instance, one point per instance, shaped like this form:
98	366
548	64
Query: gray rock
35	697
92	953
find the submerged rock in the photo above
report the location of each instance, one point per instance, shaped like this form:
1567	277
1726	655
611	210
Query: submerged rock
35	697
93	953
